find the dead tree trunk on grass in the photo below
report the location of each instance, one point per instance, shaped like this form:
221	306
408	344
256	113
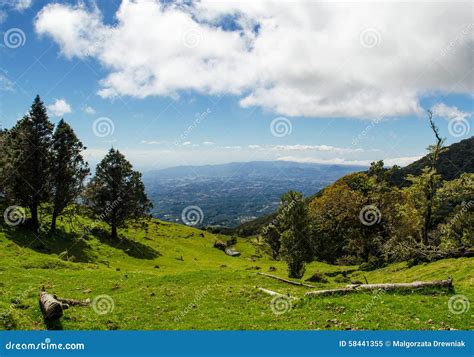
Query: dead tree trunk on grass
387	287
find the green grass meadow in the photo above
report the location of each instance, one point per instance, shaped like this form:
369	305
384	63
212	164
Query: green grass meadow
170	277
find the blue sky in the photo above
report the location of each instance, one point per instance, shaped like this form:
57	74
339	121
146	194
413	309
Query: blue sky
202	83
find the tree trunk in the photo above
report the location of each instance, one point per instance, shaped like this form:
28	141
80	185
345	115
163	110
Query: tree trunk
114	231
387	287
51	308
53	221
34	217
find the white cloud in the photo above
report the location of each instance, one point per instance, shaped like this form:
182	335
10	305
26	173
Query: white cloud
153	142
400	161
21	5
208	143
6	84
59	107
321	148
89	110
306	58
444	111
186	143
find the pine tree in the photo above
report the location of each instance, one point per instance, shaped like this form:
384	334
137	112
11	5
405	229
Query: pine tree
295	240
27	167
116	192
68	169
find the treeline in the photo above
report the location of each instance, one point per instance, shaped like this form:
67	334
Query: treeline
42	168
365	219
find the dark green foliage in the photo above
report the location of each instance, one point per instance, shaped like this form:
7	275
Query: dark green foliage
296	247
26	171
68	169
116	192
271	236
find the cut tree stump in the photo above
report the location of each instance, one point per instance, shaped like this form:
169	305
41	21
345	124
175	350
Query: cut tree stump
51	308
286	280
387	287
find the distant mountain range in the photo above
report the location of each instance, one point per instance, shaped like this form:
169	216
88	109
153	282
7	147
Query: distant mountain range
230	194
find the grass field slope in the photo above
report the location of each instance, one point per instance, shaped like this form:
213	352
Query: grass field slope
161	275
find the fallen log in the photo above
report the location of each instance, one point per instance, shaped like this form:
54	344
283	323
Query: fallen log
51	308
269	292
286	280
387	287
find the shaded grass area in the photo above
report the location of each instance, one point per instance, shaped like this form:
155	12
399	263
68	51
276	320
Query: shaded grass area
166	276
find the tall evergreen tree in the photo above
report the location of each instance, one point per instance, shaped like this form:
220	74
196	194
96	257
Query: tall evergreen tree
27	165
295	240
116	192
69	169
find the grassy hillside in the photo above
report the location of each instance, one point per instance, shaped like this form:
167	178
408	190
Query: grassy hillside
173	278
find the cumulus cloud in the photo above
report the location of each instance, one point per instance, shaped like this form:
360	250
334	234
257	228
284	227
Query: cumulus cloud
21	5
451	113
89	110
314	59
59	107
